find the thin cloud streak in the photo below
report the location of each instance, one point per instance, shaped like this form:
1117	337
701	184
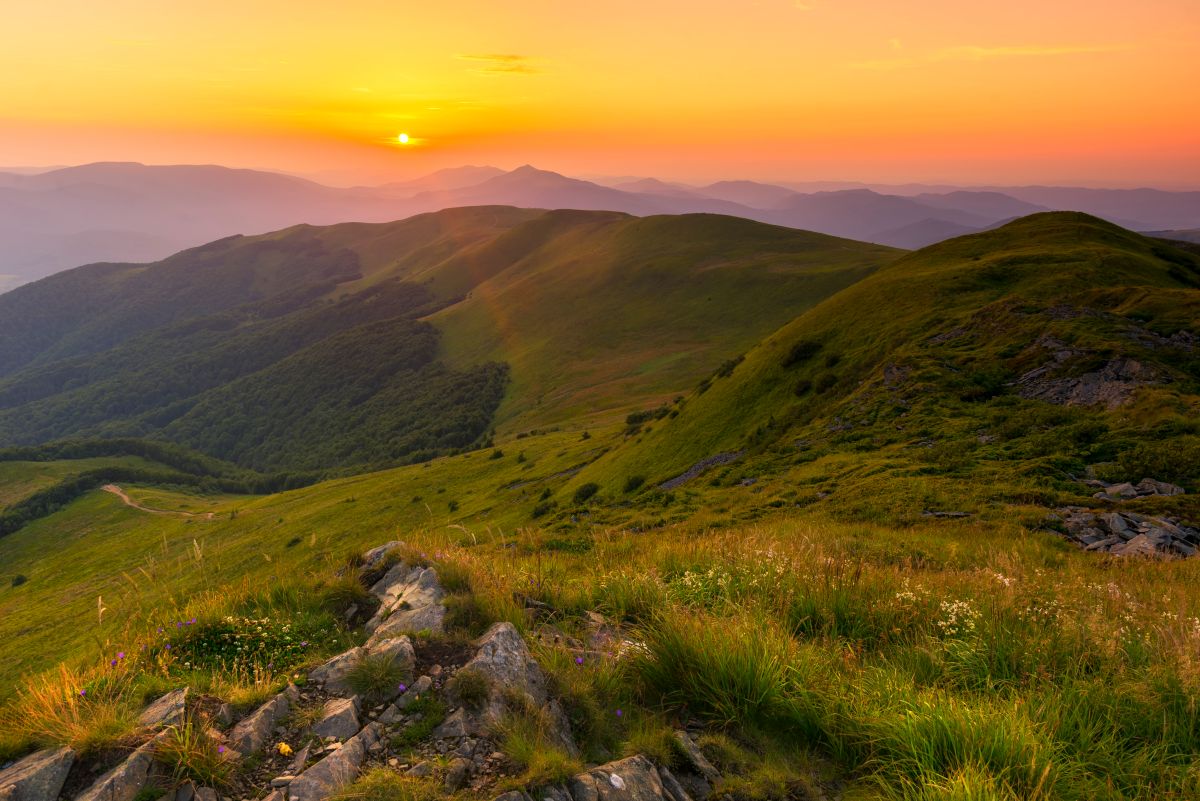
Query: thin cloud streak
501	63
978	53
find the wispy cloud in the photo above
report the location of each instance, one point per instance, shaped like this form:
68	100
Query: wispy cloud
501	63
980	53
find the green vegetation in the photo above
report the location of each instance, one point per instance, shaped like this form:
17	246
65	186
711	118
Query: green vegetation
795	592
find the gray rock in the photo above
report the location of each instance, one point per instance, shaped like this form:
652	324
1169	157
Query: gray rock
332	674
671	786
632	779
374	557
420	770
37	777
224	715
1148	486
251	734
410	600
166	711
206	794
457	774
695	756
339	719
513	795
335	771
185	792
126	780
1114	522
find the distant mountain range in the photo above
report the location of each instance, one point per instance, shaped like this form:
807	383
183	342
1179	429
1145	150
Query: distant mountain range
133	212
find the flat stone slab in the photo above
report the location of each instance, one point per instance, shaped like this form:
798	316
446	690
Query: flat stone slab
339	719
37	777
334	772
126	780
166	711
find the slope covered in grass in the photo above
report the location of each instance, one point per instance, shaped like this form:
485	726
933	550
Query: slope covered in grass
1026	354
314	348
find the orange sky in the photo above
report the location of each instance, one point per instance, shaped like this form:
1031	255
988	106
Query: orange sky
1081	91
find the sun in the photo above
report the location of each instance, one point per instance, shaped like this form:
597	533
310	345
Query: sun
402	139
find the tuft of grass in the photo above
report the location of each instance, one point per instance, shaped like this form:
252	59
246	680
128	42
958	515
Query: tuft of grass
191	755
375	676
87	710
431	712
466	614
381	784
471	688
339	595
524	739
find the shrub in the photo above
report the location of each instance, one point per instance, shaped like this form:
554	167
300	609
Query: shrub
803	387
634	483
825	382
19	579
801	352
586	492
497	454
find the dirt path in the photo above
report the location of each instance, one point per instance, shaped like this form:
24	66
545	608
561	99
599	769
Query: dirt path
125	499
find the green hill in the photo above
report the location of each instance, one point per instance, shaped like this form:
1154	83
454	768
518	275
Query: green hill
1018	356
368	345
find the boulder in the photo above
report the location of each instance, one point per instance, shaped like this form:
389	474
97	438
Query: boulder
671	786
374	557
252	734
410	600
339	719
1148	486
457	774
632	779
37	777
334	772
166	711
332	675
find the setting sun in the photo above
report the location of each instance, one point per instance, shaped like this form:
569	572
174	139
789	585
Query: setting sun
402	139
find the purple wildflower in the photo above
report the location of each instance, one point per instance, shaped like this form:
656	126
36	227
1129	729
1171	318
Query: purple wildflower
168	646
160	629
83	693
120	654
220	749
304	644
113	663
579	660
620	713
403	687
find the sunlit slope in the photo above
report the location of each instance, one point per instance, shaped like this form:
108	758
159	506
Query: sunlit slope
596	312
931	350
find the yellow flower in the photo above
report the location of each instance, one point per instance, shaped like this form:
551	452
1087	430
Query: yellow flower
284	749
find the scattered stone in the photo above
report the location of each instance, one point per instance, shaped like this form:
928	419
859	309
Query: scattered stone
185	792
335	771
374	557
457	774
421	770
671	786
166	711
1127	533
37	777
1111	386
224	715
339	719
206	794
282	781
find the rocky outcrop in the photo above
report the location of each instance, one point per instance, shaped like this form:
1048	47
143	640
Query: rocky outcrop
333	674
255	731
504	662
1111	386
410	601
1128	533
37	777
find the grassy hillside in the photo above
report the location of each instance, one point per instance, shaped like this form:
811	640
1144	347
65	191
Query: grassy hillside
306	349
601	312
923	373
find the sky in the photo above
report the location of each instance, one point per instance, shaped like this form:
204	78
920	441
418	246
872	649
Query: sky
1086	92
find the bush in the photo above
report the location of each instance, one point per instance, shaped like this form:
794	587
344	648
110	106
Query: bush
191	755
586	492
826	382
1177	461
19	579
803	387
634	483
497	454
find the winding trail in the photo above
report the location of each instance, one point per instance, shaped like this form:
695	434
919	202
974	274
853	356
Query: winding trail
125	499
